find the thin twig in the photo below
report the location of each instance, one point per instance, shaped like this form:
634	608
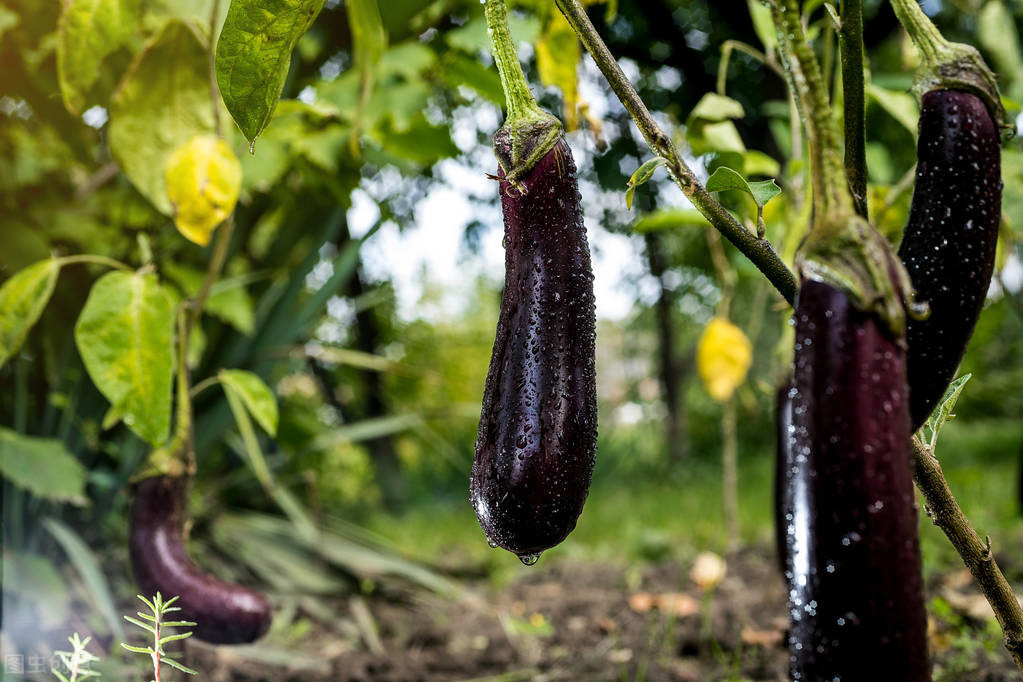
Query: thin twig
975	552
212	52
102	176
759	251
850	39
728	47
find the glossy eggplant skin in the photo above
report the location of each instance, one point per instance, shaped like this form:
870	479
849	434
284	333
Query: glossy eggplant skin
538	429
855	588
948	246
225	613
782	463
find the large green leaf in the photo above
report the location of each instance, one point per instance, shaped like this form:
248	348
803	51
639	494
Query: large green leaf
43	466
254	54
22	299
258	398
125	336
88	31
162	102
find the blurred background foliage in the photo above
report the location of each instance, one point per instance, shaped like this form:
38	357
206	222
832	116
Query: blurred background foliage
379	402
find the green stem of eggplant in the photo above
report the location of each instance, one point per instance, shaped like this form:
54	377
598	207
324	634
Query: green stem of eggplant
850	39
842	248
947	65
830	197
531	131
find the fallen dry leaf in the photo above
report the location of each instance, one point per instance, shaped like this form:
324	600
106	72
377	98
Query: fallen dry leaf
677	603
765	638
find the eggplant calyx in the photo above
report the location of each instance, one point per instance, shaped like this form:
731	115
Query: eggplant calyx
848	253
523	140
947	65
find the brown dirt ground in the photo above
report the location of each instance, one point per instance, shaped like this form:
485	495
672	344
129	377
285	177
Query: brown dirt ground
574	621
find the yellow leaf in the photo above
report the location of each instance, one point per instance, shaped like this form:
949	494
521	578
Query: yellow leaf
723	358
557	54
203	179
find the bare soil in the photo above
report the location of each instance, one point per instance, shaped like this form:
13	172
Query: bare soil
581	621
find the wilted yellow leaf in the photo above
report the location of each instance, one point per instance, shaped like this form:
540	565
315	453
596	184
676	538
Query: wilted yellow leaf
723	357
203	179
557	55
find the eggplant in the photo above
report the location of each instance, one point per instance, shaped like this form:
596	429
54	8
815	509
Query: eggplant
224	613
782	463
855	587
537	436
948	246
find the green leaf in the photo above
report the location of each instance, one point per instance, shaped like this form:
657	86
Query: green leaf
557	56
43	466
472	36
254	453
670	219
174	664
760	14
87	32
762	191
228	298
88	567
900	105
457	69
943	412
714	107
259	400
22	300
125	335
714	136
161	103
369	41
725	178
254	54
8	20
996	29
641	176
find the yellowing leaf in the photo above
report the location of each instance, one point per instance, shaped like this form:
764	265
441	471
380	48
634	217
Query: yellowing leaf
203	179
557	54
163	100
723	358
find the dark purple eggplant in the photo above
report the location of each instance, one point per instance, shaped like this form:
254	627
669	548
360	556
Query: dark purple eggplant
225	613
855	587
948	246
782	463
538	428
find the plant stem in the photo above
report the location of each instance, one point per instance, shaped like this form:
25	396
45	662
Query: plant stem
212	51
850	39
156	647
758	250
98	260
513	81
921	30
730	475
944	511
727	48
947	65
213	270
806	82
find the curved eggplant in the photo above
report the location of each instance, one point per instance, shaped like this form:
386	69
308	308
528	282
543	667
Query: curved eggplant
855	587
225	613
538	428
948	246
